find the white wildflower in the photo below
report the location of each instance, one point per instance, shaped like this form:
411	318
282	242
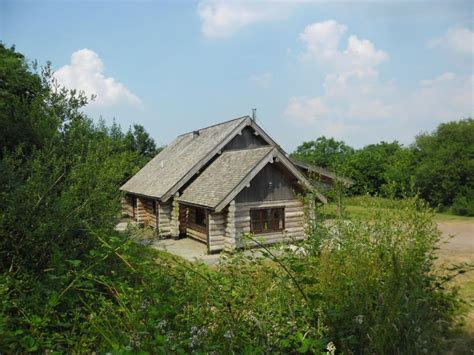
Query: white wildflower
331	348
228	334
162	324
359	319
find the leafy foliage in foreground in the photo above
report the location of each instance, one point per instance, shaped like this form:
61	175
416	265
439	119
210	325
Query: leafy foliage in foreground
364	287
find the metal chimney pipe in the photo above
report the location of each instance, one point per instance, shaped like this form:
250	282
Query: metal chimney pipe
254	114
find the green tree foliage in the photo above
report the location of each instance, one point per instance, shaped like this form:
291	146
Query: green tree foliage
445	164
22	104
323	152
376	166
439	166
138	140
57	165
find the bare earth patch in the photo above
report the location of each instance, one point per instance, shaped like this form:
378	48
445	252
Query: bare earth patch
458	247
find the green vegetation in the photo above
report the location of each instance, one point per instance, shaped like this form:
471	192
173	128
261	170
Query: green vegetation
70	283
362	205
439	167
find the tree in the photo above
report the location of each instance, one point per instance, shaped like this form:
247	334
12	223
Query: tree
59	172
445	163
374	166
138	140
22	94
323	152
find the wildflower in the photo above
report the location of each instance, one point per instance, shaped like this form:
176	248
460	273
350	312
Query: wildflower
162	324
228	334
359	319
331	348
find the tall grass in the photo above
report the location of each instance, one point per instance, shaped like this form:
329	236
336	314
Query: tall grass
351	287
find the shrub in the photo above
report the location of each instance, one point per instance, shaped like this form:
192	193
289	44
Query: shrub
463	205
374	282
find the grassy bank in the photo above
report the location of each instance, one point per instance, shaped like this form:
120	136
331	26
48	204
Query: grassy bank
362	207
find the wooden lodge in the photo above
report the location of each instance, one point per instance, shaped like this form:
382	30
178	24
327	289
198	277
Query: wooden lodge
216	183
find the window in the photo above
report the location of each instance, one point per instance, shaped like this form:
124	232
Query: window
200	217
154	207
267	220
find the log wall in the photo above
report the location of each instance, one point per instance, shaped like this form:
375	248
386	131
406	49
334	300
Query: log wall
141	215
217	231
149	217
164	212
193	229
127	206
294	222
230	232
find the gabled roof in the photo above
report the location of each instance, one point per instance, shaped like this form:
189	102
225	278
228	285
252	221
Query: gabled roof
181	159
322	172
223	175
184	157
230	173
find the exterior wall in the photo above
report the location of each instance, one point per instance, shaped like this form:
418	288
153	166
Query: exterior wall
230	231
164	213
193	229
144	213
217	230
294	222
127	206
147	216
272	183
183	219
141	215
245	140
174	223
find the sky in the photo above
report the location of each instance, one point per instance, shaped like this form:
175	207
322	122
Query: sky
358	71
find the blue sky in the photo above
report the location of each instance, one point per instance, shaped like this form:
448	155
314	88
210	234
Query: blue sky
361	72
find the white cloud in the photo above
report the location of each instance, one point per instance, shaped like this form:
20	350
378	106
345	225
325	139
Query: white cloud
352	86
221	19
307	109
457	39
355	101
322	39
86	72
448	96
262	79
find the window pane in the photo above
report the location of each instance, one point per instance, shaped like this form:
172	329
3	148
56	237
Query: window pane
266	220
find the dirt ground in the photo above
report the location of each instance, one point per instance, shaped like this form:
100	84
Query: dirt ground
457	246
457	243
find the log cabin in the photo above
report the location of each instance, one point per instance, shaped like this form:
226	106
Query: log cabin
217	183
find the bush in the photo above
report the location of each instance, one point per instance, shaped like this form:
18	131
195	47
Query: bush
463	205
378	287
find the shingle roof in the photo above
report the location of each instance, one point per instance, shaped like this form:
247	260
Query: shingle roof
179	158
322	172
223	176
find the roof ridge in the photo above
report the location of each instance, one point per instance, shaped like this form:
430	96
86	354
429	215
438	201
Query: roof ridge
216	124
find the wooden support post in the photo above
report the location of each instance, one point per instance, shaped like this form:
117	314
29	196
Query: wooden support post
231	234
175	216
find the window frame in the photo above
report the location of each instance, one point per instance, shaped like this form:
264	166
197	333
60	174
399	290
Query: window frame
272	221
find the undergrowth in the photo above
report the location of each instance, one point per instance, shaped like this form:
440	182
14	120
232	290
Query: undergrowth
356	287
